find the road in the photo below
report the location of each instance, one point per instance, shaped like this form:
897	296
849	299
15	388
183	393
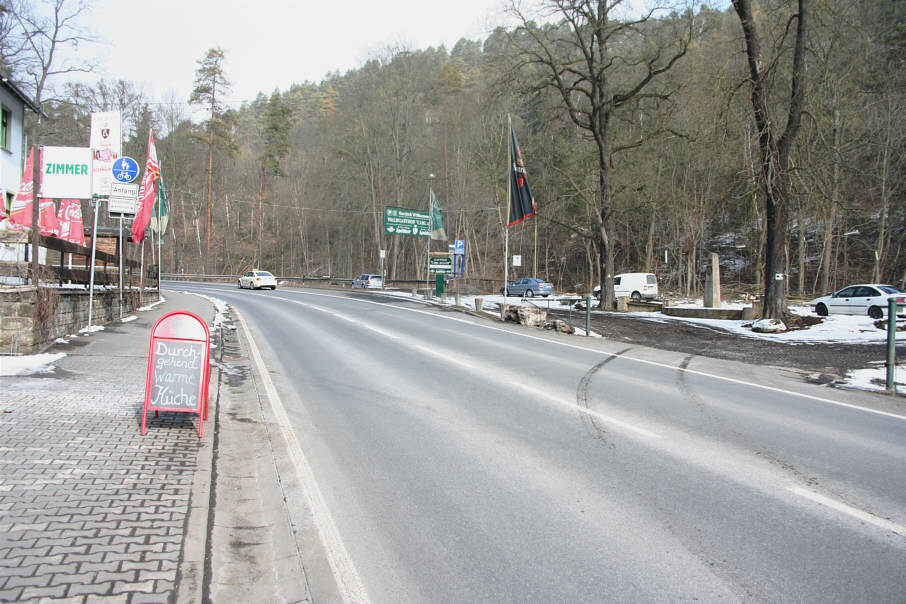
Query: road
453	458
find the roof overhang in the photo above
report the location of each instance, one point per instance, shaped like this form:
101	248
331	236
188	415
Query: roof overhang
11	86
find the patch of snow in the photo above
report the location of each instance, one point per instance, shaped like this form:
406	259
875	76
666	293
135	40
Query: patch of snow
128	319
61	341
152	305
875	379
220	309
92	329
29	364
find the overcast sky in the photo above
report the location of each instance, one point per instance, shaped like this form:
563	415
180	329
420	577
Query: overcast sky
270	44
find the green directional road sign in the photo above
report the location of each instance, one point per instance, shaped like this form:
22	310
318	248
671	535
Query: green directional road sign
440	264
402	221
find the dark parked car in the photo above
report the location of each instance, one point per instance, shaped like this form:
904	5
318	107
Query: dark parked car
528	287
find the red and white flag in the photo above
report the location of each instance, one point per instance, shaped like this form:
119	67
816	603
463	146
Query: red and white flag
146	193
20	213
47	218
70	217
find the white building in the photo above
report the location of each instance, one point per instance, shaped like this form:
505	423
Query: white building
13	103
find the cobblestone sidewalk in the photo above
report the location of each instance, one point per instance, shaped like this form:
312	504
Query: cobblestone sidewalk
90	510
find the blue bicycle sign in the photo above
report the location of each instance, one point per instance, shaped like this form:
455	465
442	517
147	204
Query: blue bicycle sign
125	169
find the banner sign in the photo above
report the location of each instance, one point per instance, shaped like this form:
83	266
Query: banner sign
178	370
66	173
106	147
403	221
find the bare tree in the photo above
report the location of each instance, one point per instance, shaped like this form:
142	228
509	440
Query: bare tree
31	43
774	146
36	38
601	64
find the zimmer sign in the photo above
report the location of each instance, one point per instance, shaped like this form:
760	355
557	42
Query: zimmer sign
66	173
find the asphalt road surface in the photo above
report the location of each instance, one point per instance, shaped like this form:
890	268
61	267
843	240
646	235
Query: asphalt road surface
459	459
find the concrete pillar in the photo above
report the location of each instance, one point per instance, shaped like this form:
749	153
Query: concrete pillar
712	283
479	304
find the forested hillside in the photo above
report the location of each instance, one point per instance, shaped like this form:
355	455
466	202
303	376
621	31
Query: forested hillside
682	159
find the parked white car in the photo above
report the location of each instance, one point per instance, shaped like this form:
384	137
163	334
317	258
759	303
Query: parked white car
368	281
633	285
257	280
864	299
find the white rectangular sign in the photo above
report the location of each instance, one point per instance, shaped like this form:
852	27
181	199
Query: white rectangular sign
123	198
66	173
106	146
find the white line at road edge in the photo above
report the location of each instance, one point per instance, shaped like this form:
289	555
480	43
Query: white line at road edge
893	527
348	581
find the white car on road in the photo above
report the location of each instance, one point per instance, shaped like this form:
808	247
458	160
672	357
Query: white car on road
864	299
257	280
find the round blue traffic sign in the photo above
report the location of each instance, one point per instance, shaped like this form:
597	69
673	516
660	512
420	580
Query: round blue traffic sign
125	169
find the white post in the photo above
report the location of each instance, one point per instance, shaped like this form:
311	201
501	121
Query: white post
122	258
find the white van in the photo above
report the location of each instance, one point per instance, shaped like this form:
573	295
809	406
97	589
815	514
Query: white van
633	285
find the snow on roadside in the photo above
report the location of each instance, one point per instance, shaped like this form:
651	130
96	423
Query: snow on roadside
29	364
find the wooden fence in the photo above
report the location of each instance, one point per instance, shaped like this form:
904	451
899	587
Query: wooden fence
71	264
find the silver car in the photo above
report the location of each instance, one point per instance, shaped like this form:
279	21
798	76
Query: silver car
864	299
368	281
529	287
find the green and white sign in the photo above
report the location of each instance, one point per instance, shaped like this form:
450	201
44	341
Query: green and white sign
440	264
403	221
66	173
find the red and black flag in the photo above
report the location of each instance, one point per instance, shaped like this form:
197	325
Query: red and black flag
522	203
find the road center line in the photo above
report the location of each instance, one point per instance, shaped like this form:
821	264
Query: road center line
864	516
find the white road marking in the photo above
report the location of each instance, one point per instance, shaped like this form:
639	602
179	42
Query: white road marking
864	516
812	397
533	389
538	390
349	583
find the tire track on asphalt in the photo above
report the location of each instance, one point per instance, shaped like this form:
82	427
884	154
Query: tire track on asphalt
594	428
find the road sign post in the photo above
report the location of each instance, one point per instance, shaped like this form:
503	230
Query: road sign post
894	303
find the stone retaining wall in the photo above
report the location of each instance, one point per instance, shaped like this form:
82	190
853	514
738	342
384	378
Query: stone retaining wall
63	312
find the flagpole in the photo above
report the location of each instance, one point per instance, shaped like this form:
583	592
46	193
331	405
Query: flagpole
160	231
509	193
428	249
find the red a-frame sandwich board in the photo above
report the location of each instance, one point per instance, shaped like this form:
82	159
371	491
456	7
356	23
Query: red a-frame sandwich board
178	367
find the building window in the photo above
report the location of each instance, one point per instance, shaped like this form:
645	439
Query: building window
6	124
